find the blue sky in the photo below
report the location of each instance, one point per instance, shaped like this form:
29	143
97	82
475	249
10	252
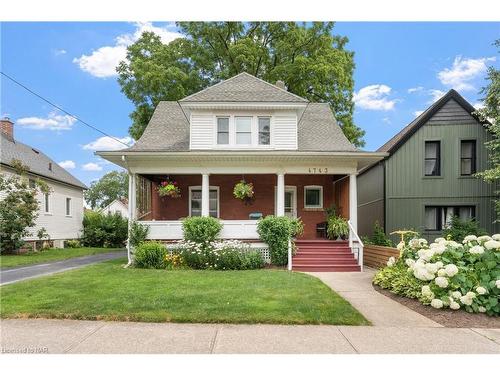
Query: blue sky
400	69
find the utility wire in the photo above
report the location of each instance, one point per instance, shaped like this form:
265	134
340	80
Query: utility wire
61	109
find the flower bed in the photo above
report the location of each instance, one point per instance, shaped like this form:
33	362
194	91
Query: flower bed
447	274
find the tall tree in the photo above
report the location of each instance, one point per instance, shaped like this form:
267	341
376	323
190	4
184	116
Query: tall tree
310	59
113	185
490	113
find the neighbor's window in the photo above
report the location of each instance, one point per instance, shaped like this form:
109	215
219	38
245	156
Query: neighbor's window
432	158
47	202
195	201
243	130
222	130
439	217
467	157
264	130
313	197
68	206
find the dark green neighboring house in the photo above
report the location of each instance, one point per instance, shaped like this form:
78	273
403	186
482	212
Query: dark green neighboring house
428	175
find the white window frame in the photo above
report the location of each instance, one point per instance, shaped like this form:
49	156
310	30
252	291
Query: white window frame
228	131
46	204
315	187
191	188
258	131
68	207
254	130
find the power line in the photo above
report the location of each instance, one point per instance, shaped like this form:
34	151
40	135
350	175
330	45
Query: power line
61	109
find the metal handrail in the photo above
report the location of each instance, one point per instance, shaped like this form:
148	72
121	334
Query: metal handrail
289	254
353	233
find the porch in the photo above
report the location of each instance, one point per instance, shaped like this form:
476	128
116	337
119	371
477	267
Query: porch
295	195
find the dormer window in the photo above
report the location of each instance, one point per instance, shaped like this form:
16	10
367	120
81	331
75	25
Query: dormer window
243	130
264	130
223	130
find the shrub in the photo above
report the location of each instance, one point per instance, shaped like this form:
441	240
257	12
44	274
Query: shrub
451	274
137	234
71	244
275	231
201	229
150	254
173	261
104	230
218	255
337	227
378	237
458	229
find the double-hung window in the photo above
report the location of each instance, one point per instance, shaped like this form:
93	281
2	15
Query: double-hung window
467	157
439	217
195	201
68	206
264	130
222	130
433	158
243	129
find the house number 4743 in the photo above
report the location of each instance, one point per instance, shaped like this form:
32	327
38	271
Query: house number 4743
315	170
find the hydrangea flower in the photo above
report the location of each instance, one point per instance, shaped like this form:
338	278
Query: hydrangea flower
439	240
497	283
496	237
438	248
441	282
442	272
482	309
481	290
476	249
469	238
492	244
482	239
454	305
456	294
437	303
409	262
451	270
391	262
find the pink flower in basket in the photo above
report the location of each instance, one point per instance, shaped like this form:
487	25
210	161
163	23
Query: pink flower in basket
169	189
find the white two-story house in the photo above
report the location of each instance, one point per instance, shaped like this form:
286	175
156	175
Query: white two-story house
291	150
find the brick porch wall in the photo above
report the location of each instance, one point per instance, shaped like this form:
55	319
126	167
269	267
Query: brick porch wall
230	208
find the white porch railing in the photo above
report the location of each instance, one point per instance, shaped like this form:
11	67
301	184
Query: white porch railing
232	229
356	243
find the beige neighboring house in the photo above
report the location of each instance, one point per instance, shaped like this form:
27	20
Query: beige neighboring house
119	206
61	211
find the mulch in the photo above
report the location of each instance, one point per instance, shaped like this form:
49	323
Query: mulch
445	317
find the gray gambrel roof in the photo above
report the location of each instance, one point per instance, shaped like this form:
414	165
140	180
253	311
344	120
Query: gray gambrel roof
36	160
244	87
168	130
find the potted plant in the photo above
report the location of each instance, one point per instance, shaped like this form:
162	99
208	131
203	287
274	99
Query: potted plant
244	190
337	228
169	188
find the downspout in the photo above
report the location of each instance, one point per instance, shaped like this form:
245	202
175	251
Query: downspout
129	255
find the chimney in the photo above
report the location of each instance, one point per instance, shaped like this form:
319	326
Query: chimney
7	128
280	84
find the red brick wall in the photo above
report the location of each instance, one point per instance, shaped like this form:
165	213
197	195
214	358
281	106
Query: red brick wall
230	208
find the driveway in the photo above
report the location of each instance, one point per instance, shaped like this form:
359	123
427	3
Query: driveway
13	275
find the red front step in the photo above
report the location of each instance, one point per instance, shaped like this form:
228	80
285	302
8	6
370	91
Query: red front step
324	256
327	268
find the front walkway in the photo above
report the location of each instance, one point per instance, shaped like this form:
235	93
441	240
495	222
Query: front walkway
73	336
13	275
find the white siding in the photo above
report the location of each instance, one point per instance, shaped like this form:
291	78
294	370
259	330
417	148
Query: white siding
285	132
202	131
116	206
57	224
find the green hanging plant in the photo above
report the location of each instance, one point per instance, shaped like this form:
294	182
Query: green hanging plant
243	190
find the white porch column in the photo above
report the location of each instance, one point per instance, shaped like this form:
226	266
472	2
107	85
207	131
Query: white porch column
205	195
280	195
353	201
131	208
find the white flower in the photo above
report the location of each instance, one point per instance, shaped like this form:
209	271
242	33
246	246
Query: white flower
391	262
476	249
439	240
438	248
497	283
482	309
481	290
431	267
496	237
439	264
466	301
451	270
454	305
442	272
425	254
401	245
409	262
426	290
470	295
437	303
482	239
469	238
456	294
492	244
453	244
441	282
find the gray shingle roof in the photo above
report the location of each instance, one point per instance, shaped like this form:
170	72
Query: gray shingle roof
243	88
36	160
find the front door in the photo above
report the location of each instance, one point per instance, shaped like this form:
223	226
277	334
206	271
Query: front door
290	202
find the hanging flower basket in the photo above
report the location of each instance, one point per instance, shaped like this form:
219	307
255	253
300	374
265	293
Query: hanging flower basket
244	190
169	188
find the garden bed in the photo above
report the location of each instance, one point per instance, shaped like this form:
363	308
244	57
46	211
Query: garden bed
447	318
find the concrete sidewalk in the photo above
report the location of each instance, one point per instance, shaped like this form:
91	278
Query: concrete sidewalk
12	275
72	336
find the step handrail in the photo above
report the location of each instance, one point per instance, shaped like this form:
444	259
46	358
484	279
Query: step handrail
289	254
360	246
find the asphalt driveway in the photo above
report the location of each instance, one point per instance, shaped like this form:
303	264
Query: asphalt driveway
13	275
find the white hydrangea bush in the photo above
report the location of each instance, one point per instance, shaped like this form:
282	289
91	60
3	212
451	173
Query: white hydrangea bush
451	275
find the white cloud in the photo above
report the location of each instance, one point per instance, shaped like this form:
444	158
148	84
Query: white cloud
387	120
374	97
59	52
463	71
478	105
417	113
108	144
103	61
435	95
67	164
415	89
53	121
92	167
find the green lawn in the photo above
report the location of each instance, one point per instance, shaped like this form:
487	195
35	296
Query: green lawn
49	255
110	292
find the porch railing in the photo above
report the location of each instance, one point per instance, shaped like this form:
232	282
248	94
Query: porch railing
356	243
